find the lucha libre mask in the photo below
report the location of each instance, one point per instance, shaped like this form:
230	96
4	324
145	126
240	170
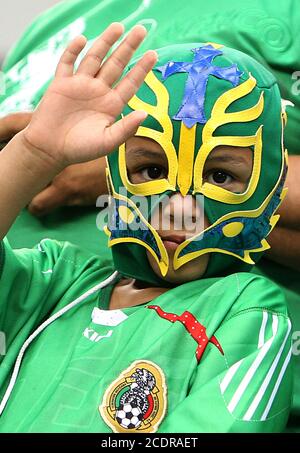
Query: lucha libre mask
198	97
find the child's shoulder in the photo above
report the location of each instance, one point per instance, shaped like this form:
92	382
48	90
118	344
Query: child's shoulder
220	299
75	254
62	257
58	247
255	292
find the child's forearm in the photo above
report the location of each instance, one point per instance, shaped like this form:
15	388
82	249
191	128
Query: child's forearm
24	171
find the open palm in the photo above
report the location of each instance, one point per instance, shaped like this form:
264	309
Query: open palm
75	121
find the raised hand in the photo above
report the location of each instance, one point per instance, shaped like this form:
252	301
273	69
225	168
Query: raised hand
76	119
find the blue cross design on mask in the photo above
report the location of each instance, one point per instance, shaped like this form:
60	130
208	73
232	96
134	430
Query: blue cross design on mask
191	110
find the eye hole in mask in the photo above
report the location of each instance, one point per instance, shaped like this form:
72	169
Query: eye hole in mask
145	161
227	167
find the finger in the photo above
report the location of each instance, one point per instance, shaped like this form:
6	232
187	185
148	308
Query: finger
47	200
66	63
10	125
133	80
123	129
114	66
91	63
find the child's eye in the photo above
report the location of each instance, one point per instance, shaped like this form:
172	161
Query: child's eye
219	177
151	173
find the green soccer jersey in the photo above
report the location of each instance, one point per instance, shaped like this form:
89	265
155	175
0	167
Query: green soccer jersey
211	355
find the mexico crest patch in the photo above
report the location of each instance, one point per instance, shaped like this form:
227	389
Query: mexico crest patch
137	400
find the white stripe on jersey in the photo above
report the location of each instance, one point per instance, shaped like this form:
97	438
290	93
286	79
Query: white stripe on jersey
229	375
266	382
275	325
233	369
261	338
276	386
253	368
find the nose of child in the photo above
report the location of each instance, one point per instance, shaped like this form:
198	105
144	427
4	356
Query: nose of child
184	212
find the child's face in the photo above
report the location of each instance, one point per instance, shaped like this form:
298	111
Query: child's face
227	167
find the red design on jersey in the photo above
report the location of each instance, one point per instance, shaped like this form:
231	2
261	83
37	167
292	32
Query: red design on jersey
194	327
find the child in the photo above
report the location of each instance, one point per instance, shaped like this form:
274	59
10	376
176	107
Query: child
171	337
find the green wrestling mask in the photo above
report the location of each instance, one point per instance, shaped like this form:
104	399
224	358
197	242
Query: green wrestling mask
200	97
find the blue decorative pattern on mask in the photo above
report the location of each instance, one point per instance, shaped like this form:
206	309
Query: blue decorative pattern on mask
121	230
191	110
254	231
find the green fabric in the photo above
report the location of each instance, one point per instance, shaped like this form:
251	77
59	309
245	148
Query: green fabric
27	231
77	225
265	29
69	366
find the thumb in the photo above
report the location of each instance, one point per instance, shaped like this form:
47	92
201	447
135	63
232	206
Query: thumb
123	129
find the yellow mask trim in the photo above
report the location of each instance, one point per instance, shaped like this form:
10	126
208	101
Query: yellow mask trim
186	158
160	113
163	264
218	118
